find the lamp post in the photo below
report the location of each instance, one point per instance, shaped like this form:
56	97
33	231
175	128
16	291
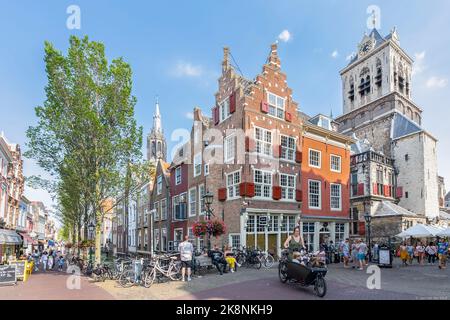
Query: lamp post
368	219
91	228
208	197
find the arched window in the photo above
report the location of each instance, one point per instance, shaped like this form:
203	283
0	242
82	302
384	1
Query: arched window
351	93
379	76
401	77
364	86
159	146
153	148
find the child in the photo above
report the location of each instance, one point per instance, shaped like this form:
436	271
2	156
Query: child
60	263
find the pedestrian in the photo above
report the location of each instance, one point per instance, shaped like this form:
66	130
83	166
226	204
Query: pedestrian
218	259
354	253
442	253
420	249
186	252
50	262
404	256
410	250
231	259
362	252
44	260
60	263
431	251
36	258
345	249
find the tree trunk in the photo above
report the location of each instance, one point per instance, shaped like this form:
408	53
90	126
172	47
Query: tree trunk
98	238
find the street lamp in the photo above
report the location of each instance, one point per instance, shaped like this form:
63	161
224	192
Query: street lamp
91	228
208	198
368	219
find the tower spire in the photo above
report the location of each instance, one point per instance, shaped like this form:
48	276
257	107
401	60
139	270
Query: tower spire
157	125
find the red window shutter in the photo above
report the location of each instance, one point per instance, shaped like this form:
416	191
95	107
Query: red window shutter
242	189
276	192
264	107
276	151
215	114
298	156
375	189
288	116
399	192
386	190
299	195
361	228
280	150
222	194
233	102
361	189
250	189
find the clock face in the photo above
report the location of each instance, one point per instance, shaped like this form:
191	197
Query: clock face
366	47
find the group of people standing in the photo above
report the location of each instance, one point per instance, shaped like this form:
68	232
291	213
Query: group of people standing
422	252
355	252
50	260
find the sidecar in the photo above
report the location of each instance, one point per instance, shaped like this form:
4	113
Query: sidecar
303	275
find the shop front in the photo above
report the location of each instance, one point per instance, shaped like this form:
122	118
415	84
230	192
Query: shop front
28	243
318	230
10	245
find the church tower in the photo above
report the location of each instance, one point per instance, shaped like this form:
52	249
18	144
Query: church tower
377	107
156	142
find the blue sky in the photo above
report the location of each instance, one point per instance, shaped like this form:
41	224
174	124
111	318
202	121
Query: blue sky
175	50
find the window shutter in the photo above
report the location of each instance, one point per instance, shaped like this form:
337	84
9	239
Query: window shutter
280	150
375	188
249	144
215	115
361	189
386	191
233	102
264	107
247	189
361	228
299	195
276	192
399	192
288	116
298	156
222	194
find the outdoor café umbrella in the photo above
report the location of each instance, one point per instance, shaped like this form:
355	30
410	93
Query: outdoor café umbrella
420	231
444	233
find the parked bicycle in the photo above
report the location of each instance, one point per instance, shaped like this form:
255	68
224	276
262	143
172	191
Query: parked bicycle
134	273
266	258
164	266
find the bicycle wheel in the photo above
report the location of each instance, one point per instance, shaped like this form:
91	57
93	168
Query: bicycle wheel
149	277
126	279
174	272
269	261
240	259
257	263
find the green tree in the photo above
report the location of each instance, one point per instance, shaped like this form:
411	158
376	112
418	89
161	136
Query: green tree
86	135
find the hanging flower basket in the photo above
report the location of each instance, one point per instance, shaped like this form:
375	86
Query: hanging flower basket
68	245
199	228
217	227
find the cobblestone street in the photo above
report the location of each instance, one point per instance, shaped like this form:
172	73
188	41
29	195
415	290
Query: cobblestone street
411	283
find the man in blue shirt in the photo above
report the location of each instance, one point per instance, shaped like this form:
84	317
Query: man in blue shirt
442	253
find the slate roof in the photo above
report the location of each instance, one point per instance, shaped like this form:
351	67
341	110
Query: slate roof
402	126
387	209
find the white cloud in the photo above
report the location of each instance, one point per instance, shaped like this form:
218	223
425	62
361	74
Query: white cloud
335	54
436	82
285	36
189	115
419	63
186	69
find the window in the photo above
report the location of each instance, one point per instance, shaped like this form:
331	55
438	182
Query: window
164	239
179	205
314	194
233	181
287	148
263	184
335	162
163	209
355	220
157	240
235	241
263	139
276	105
224	109
192	202
156	207
339	233
251	224
314	158
230	146
308	235
197	164
335	197
201	193
287	186
206	169
178	235
178	176
159	185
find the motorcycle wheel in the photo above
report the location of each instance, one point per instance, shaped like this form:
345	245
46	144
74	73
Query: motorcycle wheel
320	287
282	272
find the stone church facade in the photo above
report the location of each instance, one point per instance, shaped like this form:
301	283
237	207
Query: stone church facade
378	110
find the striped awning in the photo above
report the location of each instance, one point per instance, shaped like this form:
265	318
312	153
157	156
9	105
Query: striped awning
9	237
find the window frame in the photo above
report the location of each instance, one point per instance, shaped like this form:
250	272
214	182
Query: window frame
286	149
234	185
197	164
231	137
262	143
276	106
178	174
190	202
263	172
319	207
331	163
287	187
333	196
319	166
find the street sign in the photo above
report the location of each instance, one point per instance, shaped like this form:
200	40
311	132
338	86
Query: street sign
385	259
262	220
8	275
20	268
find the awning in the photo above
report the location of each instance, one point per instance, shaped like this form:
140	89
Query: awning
27	239
9	237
